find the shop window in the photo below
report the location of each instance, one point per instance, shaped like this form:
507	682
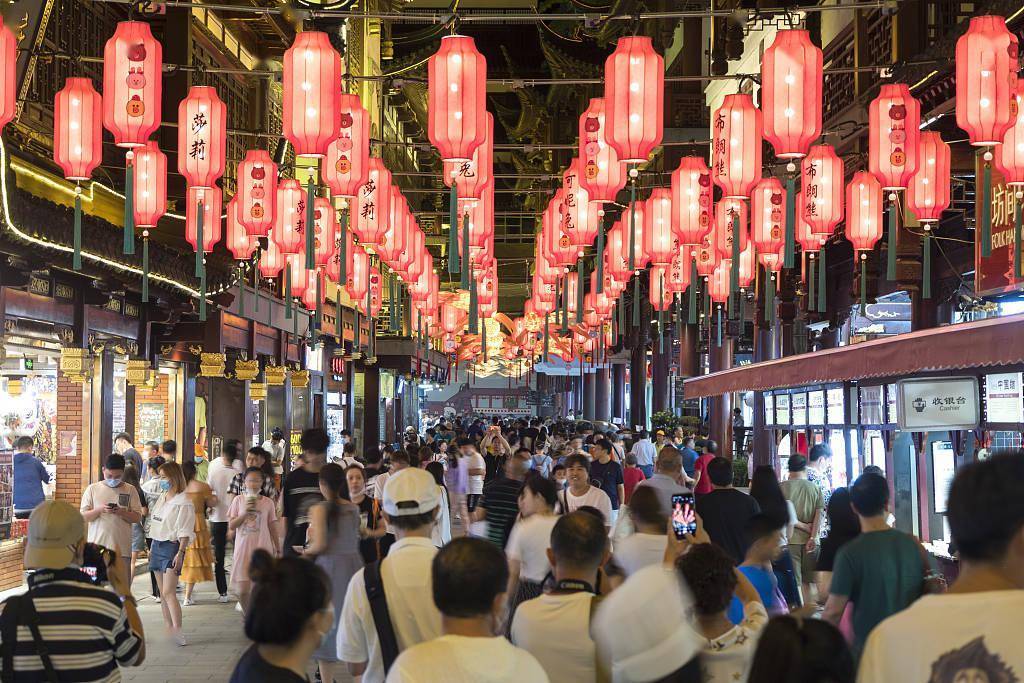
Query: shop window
874	449
838	474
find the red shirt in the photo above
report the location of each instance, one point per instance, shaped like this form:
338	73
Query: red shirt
631	477
701	466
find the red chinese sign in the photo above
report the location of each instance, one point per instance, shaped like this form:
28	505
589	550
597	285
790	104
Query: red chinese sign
994	275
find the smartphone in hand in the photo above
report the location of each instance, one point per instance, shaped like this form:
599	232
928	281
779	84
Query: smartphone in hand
684	515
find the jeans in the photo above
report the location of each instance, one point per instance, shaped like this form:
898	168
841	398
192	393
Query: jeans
788	585
648	470
219	538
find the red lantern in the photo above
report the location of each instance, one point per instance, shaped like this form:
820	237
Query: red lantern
660	242
679	270
325	231
358	272
202	136
726	212
691	200
309	298
560	249
238	241
487	291
636	215
863	211
471	177
481	223
211	208
149	185
736	146
617	253
372	211
311	96
746	269
376	298
544	269
347	163
707	257
718	283
1009	156
893	134
766	215
791	83
928	192
570	289
410	261
8	74
634	96
271	260
986	80
809	241
296	267
257	192
659	293
603	175
456	98
290	216
392	241
77	127
579	215
132	83
822	189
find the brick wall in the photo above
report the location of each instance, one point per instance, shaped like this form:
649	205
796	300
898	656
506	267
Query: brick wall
157	395
69	461
11	553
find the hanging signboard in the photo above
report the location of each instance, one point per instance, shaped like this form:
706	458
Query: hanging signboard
871	405
938	403
994	274
782	410
1004	399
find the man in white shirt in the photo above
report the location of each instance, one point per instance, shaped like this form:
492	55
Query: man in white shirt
275	446
110	507
971	632
580	493
411	503
645	453
669	478
222	471
555	627
476	468
469	577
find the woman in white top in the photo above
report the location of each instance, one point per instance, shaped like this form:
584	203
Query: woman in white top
646	545
528	543
442	532
172	528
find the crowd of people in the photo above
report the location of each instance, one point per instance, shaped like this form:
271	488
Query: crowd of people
515	550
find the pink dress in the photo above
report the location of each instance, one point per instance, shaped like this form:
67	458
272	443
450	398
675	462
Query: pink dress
255	532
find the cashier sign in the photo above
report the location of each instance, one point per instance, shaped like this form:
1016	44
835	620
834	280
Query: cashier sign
938	403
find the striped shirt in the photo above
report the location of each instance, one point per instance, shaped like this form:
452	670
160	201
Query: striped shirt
501	507
84	626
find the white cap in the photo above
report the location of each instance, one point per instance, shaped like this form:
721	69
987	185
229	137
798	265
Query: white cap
645	628
411	491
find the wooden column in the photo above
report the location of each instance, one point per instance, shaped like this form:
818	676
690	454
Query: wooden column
720	408
619	391
602	394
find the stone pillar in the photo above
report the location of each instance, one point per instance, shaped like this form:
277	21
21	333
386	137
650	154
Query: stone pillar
720	408
589	396
602	395
619	391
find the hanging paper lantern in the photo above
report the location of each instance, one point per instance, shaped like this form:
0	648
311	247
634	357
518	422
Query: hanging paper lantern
372	212
309	293
718	283
375	296
392	241
636	215
766	215
311	93
347	163
679	270
707	257
986	80
412	259
821	201
893	133
295	265
211	209
928	192
691	200
487	291
456	98
1009	156
791	87
571	289
746	270
659	293
660	242
257	192
202	136
8	74
290	216
132	83
358	273
580	220
325	231
271	259
617	253
864	211
472	176
601	302
602	174
560	249
736	146
544	270
726	212
808	240
77	126
634	96
238	241
481	221
149	186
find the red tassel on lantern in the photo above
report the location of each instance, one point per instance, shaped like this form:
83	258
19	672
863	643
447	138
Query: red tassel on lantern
347	164
77	128
211	201
893	133
602	174
132	84
928	192
456	98
257	192
691	200
202	137
986	79
736	146
634	96
791	85
290	216
311	94
149	186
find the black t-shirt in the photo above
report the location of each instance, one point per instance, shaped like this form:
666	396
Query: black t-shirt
726	513
607	477
300	493
373	549
252	668
528	436
501	504
493	466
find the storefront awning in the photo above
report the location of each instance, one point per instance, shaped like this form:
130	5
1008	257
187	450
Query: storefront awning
994	341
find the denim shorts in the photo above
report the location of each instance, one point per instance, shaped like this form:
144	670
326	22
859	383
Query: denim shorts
161	555
138	539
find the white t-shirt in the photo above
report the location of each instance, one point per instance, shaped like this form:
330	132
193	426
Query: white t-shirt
940	636
219	477
637	551
276	454
406	576
460	659
594	497
528	542
555	629
474	461
109	530
729	656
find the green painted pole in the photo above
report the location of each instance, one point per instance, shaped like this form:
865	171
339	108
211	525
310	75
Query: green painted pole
199	240
812	299
129	205
863	284
890	271
310	240
343	247
453	231
926	265
632	226
466	265
822	272
145	265
694	283
287	289
636	300
986	210
600	255
789	257
76	262
581	278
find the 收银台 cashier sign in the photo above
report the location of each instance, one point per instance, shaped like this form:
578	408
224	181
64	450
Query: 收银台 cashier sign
938	403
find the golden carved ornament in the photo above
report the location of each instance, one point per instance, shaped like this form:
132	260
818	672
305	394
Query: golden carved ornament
300	379
247	369
274	375
257	391
212	364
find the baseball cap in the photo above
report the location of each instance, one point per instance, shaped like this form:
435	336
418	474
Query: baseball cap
411	491
54	529
660	432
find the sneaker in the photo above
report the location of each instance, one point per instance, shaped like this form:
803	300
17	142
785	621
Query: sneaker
187	602
238	607
179	637
222	598
156	598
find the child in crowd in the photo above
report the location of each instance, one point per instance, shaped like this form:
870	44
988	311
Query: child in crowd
251	518
766	546
559	475
631	475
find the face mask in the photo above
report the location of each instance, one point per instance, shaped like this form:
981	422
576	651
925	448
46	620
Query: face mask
198	458
112	483
165	485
